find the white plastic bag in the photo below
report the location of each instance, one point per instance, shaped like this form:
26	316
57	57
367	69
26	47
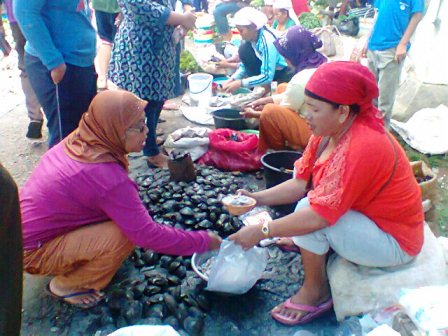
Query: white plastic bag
193	140
427	307
235	271
144	330
425	131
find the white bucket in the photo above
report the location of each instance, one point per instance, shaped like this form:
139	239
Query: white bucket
200	85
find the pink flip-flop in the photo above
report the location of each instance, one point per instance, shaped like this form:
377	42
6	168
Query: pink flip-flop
313	312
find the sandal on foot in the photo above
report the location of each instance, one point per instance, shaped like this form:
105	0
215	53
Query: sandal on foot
63	298
312	312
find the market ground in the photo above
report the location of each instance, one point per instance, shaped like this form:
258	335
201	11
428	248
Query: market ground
20	155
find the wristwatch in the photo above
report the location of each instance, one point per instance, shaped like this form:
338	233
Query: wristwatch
265	229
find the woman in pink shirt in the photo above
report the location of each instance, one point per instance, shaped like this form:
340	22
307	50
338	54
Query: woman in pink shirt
82	215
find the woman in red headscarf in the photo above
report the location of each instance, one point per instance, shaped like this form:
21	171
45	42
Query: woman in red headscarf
356	189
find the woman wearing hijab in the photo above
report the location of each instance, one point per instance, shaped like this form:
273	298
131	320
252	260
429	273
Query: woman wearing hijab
284	15
144	59
356	188
81	213
261	63
281	123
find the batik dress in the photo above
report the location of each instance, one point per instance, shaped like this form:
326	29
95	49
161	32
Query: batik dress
143	58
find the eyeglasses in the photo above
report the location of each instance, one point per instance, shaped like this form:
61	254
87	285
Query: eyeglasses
140	129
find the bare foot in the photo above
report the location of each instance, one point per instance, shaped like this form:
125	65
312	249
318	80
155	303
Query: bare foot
312	298
287	244
84	299
160	160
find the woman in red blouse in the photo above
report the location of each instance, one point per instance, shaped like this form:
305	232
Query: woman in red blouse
363	199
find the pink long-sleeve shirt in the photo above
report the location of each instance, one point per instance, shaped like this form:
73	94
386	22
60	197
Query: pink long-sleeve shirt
63	194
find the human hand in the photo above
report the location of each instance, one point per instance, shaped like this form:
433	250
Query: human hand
188	20
57	74
189	8
246	193
249	112
215	241
222	64
258	104
230	87
248	236
118	19
400	53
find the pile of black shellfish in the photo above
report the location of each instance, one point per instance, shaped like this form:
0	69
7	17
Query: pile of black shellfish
158	289
194	205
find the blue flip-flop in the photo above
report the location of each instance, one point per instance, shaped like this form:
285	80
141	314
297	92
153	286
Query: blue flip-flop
64	298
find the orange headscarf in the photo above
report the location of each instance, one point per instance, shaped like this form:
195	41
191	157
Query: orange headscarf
100	136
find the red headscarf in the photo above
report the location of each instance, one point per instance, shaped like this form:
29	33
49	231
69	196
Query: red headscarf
100	136
348	83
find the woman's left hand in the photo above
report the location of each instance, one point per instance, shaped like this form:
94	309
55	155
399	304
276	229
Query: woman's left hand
248	236
230	87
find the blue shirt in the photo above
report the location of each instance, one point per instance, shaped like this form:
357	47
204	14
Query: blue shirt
392	20
57	31
271	60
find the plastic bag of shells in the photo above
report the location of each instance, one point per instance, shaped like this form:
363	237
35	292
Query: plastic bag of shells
235	270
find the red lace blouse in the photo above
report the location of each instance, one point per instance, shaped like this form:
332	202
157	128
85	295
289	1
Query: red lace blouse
352	177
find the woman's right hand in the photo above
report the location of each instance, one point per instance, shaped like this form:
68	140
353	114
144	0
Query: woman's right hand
250	113
188	20
258	104
248	194
222	64
215	241
58	73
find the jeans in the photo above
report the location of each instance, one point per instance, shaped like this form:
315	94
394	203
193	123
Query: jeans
220	13
200	5
76	91
152	113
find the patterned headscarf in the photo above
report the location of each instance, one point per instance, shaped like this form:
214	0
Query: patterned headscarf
100	136
348	83
299	46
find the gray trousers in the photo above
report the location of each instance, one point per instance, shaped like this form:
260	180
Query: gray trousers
32	104
354	237
387	73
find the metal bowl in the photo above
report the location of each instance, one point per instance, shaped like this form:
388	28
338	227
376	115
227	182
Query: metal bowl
198	259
